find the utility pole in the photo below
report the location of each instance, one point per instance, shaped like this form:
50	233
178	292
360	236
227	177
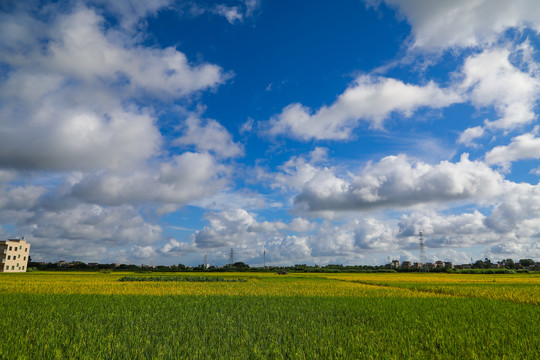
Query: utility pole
265	259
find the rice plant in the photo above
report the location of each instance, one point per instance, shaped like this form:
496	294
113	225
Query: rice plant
181	278
307	316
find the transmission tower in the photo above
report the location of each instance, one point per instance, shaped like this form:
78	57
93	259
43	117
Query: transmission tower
423	258
231	257
265	259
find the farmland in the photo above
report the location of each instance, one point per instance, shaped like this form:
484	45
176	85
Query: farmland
296	316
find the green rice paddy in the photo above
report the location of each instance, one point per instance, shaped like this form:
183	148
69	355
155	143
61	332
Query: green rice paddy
309	316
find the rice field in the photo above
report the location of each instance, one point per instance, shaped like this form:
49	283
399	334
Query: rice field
51	315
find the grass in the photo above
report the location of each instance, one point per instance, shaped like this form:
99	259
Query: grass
298	316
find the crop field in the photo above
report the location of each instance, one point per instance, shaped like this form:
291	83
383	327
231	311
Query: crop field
51	315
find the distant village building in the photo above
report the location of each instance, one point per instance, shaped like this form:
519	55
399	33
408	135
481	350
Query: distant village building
439	264
14	254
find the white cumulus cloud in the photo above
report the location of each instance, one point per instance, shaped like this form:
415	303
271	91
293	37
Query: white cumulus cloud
186	177
70	88
371	99
397	182
492	80
211	136
526	146
463	23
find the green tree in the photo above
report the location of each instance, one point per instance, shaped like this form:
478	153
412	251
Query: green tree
508	264
479	264
240	265
526	262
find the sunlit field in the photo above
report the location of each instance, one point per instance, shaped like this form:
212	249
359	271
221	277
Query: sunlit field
295	316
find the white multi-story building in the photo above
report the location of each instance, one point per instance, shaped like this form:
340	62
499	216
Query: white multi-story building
14	255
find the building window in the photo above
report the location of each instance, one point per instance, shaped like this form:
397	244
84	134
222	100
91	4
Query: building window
25	249
19	256
12	267
10	248
24	258
9	257
22	268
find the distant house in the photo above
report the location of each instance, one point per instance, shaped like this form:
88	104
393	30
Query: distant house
439	264
14	254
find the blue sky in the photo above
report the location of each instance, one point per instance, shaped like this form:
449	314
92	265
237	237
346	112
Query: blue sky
162	131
